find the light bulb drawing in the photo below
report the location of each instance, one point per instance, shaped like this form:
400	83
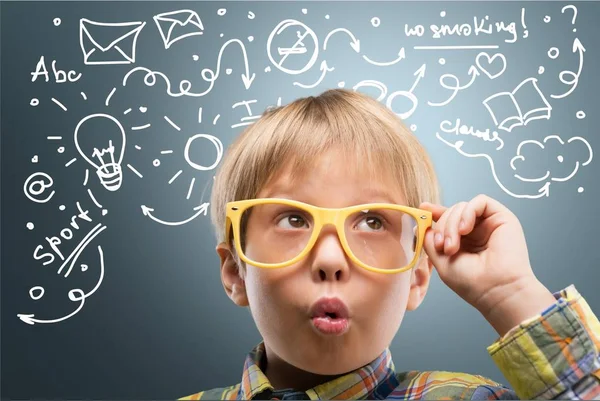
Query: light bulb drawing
103	149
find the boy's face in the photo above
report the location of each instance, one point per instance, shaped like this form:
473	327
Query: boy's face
280	299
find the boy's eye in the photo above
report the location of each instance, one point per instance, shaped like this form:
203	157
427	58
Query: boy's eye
292	221
373	223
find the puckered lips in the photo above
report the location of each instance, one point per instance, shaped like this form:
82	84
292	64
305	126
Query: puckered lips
330	316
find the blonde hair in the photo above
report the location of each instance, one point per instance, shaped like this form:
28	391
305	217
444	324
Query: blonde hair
370	134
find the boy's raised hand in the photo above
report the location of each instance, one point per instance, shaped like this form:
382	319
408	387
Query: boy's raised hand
478	248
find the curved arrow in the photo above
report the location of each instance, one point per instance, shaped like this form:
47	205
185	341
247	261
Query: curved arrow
324	68
246	77
474	74
81	296
29	319
543	191
401	56
200	209
577	47
355	42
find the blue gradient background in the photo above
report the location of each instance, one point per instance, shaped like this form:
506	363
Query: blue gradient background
160	326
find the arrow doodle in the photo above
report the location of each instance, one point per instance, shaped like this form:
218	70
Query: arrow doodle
325	69
147	211
355	44
577	47
75	295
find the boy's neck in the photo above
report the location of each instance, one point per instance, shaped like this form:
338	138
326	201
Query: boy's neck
282	375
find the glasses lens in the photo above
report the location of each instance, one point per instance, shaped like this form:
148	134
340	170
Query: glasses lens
383	238
275	233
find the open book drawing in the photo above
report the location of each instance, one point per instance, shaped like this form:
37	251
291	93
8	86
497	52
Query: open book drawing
512	109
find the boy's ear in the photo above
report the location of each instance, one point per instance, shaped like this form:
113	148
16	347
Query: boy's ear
233	283
419	283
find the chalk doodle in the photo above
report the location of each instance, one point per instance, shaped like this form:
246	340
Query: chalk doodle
108	168
507	112
181	89
473	73
579	49
177	25
489	61
207	74
304	33
75	295
202	209
37	184
541	146
120	50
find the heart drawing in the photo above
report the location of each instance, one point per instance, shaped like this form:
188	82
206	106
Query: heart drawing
489	61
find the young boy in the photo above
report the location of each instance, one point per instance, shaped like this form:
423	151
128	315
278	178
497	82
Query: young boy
327	278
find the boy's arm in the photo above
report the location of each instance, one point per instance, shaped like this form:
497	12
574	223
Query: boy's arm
554	355
479	250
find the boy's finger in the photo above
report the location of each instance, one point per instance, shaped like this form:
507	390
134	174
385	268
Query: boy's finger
484	206
468	219
440	227
438	240
436	210
451	229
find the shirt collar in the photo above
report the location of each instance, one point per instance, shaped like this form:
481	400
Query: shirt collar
354	385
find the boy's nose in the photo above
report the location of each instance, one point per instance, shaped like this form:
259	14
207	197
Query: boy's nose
329	261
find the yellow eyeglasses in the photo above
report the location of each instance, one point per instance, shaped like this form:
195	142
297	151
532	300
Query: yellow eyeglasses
380	237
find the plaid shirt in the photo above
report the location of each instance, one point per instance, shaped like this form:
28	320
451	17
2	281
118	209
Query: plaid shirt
554	355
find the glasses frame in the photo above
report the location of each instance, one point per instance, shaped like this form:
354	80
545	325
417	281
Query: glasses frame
321	217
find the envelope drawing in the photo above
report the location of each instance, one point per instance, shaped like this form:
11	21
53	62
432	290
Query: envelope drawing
177	25
108	42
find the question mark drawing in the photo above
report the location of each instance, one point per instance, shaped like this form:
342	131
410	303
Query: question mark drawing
574	14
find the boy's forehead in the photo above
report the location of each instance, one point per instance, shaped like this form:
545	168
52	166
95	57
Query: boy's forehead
357	185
